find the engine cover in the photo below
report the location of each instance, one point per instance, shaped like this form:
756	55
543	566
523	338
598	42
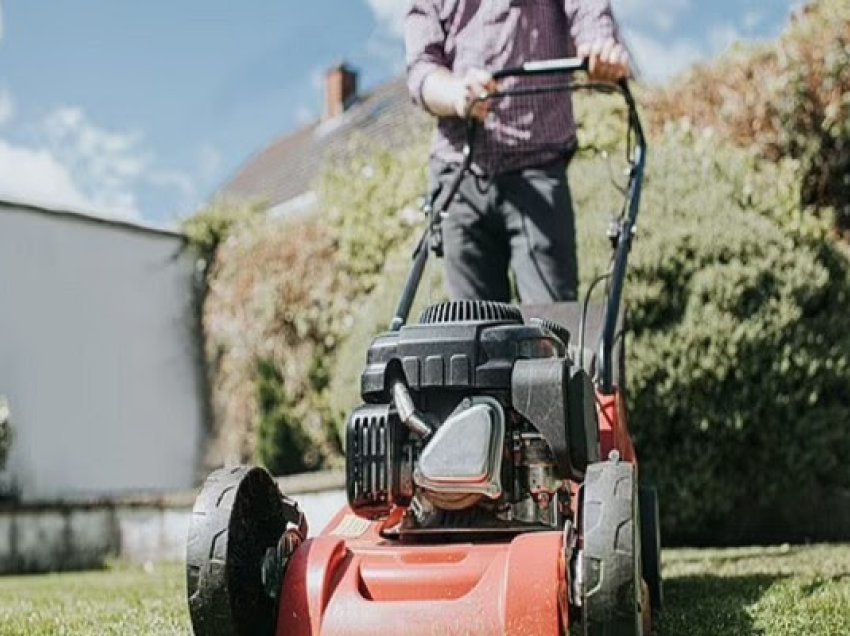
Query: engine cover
459	355
464	457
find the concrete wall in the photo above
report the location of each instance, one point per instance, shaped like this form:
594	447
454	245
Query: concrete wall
98	356
65	536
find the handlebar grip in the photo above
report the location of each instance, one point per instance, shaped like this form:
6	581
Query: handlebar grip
560	66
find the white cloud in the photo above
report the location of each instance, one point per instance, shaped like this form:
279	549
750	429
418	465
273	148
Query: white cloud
390	14
659	60
662	15
73	163
108	165
35	176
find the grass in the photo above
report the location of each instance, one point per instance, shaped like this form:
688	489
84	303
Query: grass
766	592
120	600
784	591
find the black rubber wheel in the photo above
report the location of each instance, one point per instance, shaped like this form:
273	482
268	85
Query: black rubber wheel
650	545
611	569
238	516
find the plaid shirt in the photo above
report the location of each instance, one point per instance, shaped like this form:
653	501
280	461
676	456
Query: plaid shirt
494	34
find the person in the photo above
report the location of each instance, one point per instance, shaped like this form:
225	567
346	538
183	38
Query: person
513	210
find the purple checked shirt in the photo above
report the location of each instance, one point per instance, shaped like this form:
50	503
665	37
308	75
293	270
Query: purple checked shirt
458	35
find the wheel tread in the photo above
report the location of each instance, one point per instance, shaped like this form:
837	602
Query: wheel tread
610	552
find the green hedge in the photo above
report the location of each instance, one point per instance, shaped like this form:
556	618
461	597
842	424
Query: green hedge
738	360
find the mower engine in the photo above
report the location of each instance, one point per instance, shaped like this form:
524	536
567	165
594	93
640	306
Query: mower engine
475	420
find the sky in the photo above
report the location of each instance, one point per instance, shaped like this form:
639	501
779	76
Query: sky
142	110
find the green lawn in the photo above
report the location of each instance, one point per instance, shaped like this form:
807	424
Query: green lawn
739	592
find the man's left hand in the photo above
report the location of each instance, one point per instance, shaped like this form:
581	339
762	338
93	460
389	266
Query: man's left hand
608	60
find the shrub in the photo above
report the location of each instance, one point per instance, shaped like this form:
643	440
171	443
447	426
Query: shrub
282	295
373	204
790	99
268	319
284	447
209	228
739	364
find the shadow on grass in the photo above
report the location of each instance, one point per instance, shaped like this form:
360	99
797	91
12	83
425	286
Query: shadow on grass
710	605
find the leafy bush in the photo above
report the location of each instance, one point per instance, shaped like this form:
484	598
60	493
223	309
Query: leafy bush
739	364
790	99
268	318
284	447
209	228
282	295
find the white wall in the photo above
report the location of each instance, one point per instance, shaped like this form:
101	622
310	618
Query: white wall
47	538
98	356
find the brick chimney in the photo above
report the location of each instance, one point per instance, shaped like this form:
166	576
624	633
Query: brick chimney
340	90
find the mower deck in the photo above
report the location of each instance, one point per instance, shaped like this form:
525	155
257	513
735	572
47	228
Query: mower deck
352	581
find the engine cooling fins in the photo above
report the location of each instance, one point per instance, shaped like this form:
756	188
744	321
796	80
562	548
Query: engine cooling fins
470	311
557	329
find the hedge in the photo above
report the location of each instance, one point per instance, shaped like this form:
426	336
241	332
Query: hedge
789	98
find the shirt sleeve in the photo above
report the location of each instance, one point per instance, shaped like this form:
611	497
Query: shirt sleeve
591	20
424	40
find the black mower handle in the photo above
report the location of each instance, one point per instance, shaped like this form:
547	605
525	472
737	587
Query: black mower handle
559	66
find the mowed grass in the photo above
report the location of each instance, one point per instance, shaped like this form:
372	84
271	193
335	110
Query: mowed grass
739	592
120	600
780	591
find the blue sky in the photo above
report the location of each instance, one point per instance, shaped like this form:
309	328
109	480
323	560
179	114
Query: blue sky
143	109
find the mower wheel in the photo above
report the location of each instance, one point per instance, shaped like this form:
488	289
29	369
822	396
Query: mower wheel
611	571
650	545
239	516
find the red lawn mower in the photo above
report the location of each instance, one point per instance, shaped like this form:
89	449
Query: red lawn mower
492	482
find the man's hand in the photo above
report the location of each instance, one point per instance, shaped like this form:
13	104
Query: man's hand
609	60
446	94
474	84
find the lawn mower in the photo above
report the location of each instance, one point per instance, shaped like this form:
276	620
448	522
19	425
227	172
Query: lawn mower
492	483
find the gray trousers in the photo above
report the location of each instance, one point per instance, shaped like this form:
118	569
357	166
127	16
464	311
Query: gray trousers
521	221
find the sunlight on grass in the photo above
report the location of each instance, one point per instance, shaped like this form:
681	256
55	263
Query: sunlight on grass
783	591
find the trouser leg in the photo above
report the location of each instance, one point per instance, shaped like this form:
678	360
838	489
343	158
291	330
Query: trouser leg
538	212
476	244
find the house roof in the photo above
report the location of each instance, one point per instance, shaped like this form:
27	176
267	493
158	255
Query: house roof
286	169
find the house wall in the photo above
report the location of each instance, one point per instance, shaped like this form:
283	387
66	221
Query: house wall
98	357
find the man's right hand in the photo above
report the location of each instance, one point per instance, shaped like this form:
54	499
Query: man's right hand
474	84
446	94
